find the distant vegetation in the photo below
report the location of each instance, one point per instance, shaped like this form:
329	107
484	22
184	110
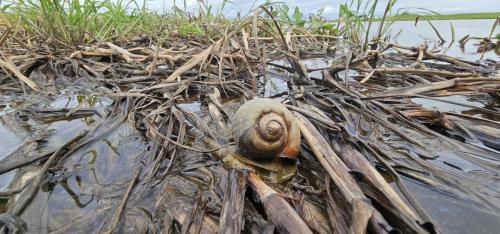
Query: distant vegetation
412	16
76	22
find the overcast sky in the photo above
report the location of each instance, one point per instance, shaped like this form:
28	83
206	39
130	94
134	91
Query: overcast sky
331	6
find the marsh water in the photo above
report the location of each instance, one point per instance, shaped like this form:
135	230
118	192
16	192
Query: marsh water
407	33
105	167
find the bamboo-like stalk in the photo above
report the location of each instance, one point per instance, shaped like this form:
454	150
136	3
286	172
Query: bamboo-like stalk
425	72
357	162
434	86
337	170
437	32
277	209
12	68
339	174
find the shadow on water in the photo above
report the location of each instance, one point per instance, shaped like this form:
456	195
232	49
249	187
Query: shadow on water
95	175
33	127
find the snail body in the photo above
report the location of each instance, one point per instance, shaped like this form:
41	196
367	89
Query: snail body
264	129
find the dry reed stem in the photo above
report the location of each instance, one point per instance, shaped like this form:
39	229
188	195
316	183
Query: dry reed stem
12	68
195	60
277	209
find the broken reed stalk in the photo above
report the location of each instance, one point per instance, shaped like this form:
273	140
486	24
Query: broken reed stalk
12	68
439	85
121	207
195	60
362	212
10	163
452	28
207	224
367	77
231	217
339	174
448	59
493	27
217	112
277	209
424	72
437	32
357	162
337	170
428	55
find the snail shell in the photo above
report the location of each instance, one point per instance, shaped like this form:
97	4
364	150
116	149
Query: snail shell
265	129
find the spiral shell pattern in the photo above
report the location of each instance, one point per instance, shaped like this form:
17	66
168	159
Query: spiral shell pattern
265	129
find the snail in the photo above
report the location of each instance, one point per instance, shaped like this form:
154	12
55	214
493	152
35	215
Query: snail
264	129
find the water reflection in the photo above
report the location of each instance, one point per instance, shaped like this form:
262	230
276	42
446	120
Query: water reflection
79	199
91	180
27	123
82	101
91	154
111	146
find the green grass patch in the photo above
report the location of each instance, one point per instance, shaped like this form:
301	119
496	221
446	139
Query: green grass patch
190	29
76	21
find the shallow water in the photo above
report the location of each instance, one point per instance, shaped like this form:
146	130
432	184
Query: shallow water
9	142
15	130
406	33
455	215
470	105
443	106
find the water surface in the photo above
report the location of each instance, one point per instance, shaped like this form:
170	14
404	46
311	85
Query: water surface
406	33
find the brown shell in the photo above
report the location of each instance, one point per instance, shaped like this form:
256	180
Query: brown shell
264	129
